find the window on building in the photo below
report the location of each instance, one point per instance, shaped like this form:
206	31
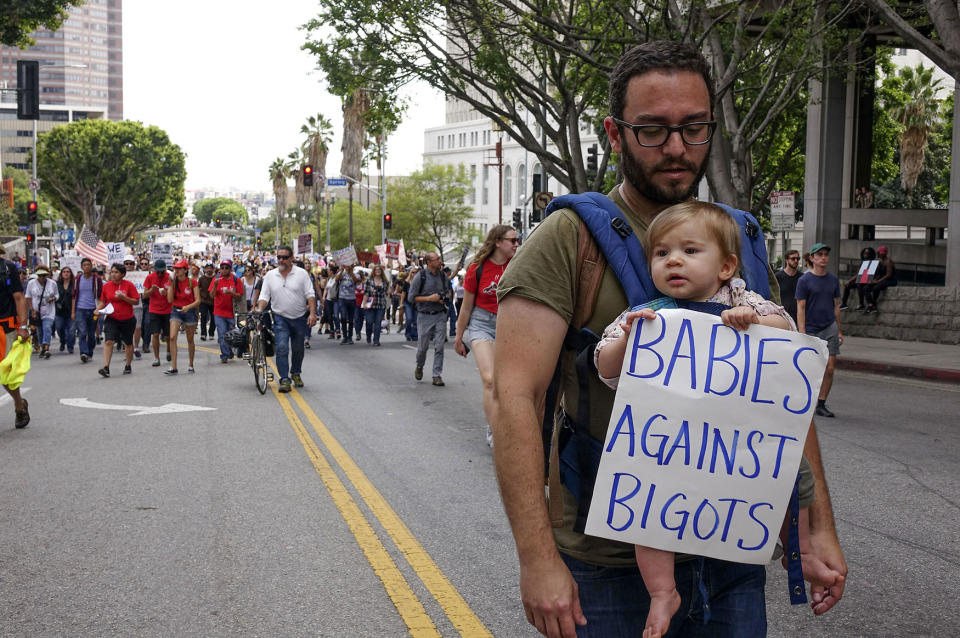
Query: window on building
485	193
507	185
473	184
521	185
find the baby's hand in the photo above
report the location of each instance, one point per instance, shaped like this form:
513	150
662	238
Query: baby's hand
739	317
630	317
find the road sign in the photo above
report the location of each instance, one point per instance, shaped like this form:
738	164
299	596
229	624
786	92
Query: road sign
34	184
782	211
540	200
337	181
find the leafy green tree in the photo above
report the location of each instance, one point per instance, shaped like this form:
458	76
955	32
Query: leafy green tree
932	27
541	67
428	207
114	177
224	208
889	98
19	18
279	172
10	219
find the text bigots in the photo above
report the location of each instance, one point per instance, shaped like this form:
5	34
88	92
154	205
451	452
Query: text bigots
705	437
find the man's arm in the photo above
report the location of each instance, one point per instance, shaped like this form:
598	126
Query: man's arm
836	314
824	544
802	316
529	338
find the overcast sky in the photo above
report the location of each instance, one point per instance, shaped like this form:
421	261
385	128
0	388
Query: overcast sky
228	82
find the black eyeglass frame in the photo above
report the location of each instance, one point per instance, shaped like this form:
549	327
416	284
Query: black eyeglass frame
710	124
284	256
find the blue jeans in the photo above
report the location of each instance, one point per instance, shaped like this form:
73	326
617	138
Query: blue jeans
86	331
46	329
452	315
223	325
374	317
347	309
65	330
289	334
358	316
410	313
718	600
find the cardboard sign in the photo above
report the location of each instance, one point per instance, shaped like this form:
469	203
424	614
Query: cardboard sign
70	259
393	248
164	252
867	271
705	438
115	252
304	244
366	257
345	256
226	253
137	277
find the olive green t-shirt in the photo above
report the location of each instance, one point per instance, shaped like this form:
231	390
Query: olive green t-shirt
544	270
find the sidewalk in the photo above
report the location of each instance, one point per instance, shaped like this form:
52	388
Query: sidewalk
933	361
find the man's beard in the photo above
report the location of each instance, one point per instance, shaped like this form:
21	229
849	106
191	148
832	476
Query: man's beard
641	179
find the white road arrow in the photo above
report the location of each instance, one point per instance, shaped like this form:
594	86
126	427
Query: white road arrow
137	410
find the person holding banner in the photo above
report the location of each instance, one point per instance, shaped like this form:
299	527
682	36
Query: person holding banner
571	584
885	277
867	255
183	294
693	251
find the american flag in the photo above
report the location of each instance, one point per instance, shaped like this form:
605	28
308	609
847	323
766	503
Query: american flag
89	245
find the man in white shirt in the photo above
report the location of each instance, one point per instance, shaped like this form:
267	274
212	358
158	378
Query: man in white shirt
43	295
292	298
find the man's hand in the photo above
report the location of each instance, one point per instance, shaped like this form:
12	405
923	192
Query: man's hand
550	598
311	320
825	558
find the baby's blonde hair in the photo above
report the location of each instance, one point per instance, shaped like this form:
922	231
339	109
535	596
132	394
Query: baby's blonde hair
718	224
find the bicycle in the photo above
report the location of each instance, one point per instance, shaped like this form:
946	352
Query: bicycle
256	354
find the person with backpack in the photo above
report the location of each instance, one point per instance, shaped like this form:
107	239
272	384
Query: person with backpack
477	320
85	294
15	323
224	289
661	126
431	292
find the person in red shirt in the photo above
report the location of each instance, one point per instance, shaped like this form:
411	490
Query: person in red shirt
155	289
477	323
119	296
224	288
184	297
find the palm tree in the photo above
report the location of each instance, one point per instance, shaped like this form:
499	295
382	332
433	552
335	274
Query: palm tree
919	116
319	132
279	171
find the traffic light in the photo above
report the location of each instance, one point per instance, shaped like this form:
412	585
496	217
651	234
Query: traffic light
387	221
592	161
32	212
259	241
307	175
30	238
28	90
216	223
518	219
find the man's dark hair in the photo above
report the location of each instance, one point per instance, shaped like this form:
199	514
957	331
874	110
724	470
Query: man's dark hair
286	248
657	55
85	259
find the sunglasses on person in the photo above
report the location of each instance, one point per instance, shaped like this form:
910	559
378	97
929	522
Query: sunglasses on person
512	240
284	256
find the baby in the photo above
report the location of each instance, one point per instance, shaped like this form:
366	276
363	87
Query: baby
693	251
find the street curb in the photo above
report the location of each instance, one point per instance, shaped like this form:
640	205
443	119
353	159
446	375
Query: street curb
916	372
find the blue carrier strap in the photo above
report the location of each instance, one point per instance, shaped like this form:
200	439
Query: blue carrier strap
798	592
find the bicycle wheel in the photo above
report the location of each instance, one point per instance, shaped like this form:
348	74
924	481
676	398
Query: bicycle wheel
258	363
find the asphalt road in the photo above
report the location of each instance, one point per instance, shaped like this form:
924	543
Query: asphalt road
365	505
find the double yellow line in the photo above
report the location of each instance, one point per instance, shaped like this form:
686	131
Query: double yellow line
397	587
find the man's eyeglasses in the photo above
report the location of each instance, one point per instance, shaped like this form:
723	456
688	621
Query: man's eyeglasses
284	256
653	135
793	259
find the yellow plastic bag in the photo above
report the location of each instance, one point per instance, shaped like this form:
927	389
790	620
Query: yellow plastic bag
16	364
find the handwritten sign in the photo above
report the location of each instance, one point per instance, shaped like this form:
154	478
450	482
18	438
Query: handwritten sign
867	271
393	248
164	252
304	243
115	252
226	253
70	259
345	256
137	277
705	437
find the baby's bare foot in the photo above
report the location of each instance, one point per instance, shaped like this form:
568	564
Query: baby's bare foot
663	605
